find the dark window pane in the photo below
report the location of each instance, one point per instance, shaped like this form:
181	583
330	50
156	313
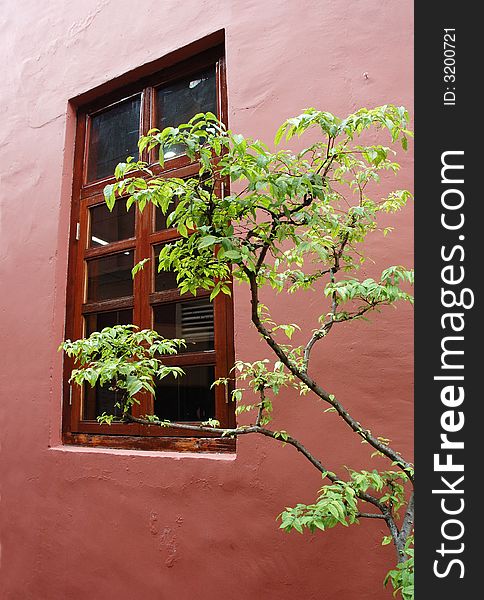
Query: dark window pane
110	277
178	102
99	400
191	321
113	136
187	398
98	321
164	280
160	219
110	226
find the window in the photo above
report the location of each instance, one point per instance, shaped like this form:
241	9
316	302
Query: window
106	245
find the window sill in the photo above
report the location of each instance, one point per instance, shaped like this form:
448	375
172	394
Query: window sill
155	445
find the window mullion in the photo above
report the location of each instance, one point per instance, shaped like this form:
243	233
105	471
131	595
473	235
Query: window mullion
142	280
141	290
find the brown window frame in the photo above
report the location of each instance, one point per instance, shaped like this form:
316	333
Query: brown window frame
76	430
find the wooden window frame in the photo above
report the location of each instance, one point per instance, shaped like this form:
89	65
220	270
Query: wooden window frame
87	194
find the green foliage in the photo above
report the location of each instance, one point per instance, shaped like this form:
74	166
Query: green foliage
211	423
105	419
344	496
402	577
336	504
124	359
297	221
392	483
296	203
264	380
371	292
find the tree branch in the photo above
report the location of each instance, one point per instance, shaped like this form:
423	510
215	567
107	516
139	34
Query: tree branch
302	374
408	519
236	431
322	331
267	433
261	407
395	536
370	516
317	389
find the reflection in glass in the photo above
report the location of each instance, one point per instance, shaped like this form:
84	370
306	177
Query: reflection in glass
113	136
110	276
187	398
110	226
178	102
191	321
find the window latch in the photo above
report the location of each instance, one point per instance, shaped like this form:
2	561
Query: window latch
70	395
78	231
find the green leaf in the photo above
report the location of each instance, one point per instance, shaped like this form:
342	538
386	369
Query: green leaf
232	254
139	266
208	240
297	525
109	196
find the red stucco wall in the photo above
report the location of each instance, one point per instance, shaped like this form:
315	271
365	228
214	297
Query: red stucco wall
79	523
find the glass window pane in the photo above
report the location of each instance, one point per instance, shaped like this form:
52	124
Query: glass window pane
186	398
99	400
178	102
110	226
110	276
164	280
98	321
160	219
191	321
113	136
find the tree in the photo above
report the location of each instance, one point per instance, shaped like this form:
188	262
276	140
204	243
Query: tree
298	222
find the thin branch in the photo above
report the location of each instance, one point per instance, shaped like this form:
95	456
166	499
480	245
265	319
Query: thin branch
302	374
322	331
326	164
261	407
267	433
316	388
370	516
241	431
317	335
360	189
359	313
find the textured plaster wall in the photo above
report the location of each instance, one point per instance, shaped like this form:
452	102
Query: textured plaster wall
112	524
